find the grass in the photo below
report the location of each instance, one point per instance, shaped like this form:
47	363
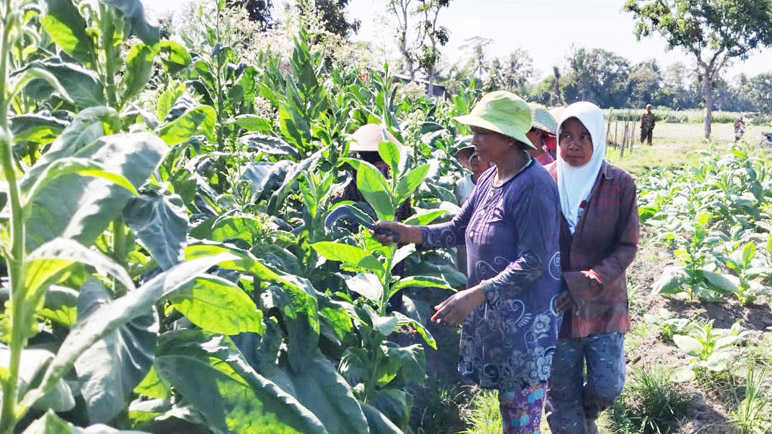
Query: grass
676	145
753	414
650	403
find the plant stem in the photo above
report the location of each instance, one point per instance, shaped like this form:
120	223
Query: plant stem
107	30
119	250
15	261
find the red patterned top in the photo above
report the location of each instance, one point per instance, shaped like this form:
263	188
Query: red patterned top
605	242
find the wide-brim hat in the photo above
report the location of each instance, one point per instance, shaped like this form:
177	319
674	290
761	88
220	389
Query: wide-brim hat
502	112
367	137
463	154
542	119
556	112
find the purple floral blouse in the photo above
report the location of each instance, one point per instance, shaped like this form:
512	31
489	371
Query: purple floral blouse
511	234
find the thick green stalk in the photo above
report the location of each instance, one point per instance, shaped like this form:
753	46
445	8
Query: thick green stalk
15	261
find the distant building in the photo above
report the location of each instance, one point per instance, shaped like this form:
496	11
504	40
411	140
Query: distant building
438	90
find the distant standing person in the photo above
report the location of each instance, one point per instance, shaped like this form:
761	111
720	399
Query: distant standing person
647	125
739	128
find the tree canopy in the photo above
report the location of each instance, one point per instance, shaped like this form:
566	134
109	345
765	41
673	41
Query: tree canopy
713	31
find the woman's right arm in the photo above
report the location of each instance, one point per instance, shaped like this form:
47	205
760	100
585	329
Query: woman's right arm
448	234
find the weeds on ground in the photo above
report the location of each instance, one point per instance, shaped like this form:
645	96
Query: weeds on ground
753	414
650	403
484	416
442	408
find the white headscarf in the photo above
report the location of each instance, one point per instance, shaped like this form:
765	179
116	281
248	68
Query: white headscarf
575	183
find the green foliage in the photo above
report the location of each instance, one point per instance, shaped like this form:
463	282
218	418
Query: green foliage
710	348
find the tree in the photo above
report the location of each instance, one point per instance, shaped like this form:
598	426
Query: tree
401	10
713	31
517	69
477	65
597	75
433	37
332	13
643	82
259	10
759	91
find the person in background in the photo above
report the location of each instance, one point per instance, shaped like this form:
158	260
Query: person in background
739	128
510	227
550	142
543	126
599	232
470	160
364	144
647	125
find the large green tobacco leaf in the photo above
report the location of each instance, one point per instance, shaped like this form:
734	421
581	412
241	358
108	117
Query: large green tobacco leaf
109	370
420	282
160	221
348	254
242	94
408	183
39	128
265	176
721	282
197	120
33	363
277	198
378	422
217	305
375	190
670	281
367	285
139	68
321	389
45	263
83	86
296	311
67	28
390	155
261	142
174	57
50	423
395	404
212	375
87	127
425	218
133	10
111	316
81	208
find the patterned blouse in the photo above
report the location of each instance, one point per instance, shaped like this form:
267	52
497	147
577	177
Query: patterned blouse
511	236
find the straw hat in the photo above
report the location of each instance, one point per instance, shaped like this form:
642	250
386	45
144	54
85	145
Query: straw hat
542	119
367	137
502	112
556	112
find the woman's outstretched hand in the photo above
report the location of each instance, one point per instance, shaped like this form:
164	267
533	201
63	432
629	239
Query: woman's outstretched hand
406	233
454	310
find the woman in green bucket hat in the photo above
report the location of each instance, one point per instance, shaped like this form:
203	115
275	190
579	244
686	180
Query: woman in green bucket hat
509	225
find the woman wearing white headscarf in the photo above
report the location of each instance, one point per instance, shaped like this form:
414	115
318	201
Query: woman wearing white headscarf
598	241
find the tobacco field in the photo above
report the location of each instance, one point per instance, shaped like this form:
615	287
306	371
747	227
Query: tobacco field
166	263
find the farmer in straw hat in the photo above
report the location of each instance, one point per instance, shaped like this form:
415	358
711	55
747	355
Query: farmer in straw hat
542	127
510	227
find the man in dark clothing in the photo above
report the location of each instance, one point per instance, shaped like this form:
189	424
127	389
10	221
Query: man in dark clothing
647	125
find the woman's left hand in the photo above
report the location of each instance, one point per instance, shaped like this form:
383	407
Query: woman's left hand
456	308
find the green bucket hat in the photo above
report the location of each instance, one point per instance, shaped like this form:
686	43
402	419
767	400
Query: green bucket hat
502	112
542	119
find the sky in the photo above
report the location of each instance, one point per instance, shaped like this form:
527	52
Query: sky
546	29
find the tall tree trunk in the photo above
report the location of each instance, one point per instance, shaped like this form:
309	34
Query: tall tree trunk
556	71
707	89
431	82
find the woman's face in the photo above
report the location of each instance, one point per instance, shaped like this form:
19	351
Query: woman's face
575	143
490	145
